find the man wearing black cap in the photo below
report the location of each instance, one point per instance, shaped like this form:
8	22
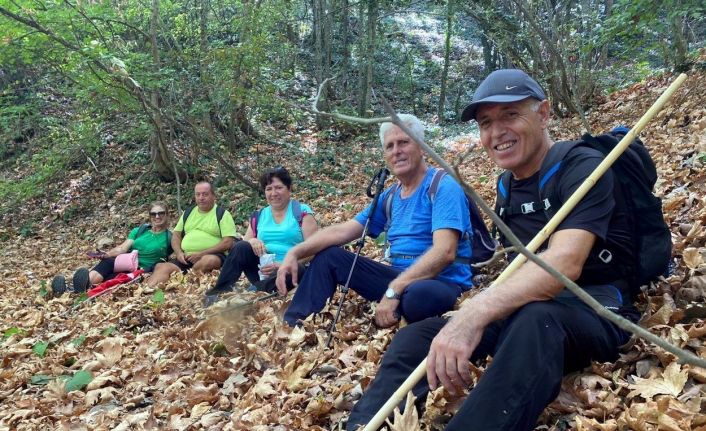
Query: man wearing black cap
535	330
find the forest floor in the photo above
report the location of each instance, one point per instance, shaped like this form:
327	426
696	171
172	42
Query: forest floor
141	359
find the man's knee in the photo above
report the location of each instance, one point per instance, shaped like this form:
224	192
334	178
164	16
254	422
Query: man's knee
241	247
207	263
329	255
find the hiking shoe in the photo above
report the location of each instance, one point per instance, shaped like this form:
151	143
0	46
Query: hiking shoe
58	285
81	280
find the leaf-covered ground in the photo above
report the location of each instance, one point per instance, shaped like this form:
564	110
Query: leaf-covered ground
139	359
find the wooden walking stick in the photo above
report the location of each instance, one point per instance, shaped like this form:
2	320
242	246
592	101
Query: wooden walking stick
539	239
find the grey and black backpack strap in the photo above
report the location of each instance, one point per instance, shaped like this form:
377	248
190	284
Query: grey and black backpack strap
387	205
220	211
184	217
434	186
298	213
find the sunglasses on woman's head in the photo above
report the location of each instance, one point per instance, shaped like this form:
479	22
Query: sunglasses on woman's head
157	213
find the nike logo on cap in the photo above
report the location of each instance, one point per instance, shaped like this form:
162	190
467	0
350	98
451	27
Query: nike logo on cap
508	88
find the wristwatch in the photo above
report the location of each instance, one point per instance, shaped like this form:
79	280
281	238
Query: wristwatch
391	294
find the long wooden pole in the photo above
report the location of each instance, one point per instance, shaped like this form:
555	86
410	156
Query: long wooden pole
539	239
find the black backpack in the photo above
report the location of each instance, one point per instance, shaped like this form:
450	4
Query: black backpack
219	216
636	175
482	244
143	228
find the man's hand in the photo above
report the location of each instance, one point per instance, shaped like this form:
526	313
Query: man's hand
288	266
386	312
258	247
270	269
195	257
450	353
181	257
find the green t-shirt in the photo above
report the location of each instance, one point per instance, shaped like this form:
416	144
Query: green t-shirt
202	230
152	247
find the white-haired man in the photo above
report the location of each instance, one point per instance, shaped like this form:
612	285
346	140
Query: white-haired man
429	246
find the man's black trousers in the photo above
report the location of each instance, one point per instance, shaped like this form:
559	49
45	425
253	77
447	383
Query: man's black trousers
532	350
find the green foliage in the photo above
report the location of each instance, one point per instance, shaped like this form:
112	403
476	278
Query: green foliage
78	341
656	32
110	330
40	379
40	348
80	299
9	332
158	297
79	381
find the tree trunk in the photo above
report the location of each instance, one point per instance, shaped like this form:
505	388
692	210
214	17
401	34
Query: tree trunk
322	45
159	141
345	47
447	54
366	71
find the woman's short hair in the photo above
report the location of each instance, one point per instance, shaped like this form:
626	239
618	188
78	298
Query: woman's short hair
409	120
279	172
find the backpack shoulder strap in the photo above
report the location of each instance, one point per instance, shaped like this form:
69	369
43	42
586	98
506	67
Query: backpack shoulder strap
503	194
439	174
143	228
219	213
254	217
219	216
297	212
170	250
185	216
387	205
551	166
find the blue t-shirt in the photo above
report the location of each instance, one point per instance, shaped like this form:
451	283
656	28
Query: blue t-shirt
280	237
414	220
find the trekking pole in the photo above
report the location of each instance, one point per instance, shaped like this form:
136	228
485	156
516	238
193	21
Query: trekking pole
538	240
378	181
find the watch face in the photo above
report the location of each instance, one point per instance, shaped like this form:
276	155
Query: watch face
390	293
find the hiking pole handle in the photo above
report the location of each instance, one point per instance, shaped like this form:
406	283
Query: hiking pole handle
420	372
380	177
378	180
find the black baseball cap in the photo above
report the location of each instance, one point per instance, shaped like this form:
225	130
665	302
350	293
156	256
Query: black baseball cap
503	86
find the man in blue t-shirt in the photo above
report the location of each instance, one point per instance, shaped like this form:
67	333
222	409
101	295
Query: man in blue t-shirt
429	246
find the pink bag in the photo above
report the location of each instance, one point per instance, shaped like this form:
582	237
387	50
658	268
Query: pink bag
126	262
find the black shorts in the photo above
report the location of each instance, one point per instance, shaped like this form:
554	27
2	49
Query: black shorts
185	267
106	268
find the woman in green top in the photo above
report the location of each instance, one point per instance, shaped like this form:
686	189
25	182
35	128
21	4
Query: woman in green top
152	242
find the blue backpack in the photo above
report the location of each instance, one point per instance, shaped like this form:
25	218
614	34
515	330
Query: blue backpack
482	243
296	211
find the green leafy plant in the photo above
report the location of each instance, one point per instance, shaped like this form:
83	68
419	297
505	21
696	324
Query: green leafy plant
79	381
40	379
40	348
12	331
158	297
78	341
110	330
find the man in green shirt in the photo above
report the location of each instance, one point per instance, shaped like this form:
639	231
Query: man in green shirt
201	237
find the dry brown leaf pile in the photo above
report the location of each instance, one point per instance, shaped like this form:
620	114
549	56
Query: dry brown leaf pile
160	366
